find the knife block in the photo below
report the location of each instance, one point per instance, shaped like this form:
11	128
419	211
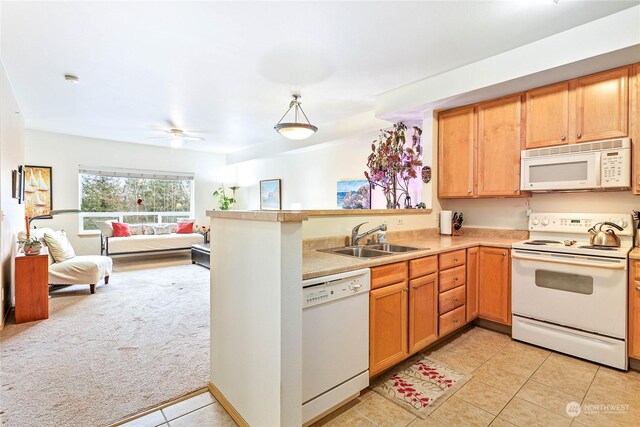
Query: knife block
455	232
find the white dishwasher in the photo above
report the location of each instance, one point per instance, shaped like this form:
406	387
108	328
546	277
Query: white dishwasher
335	340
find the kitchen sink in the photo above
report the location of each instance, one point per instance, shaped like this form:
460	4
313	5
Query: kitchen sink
358	252
388	247
371	251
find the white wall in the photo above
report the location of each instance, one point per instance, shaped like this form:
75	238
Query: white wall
11	155
64	153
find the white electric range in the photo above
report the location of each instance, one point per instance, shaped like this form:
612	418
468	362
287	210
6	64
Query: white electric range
568	295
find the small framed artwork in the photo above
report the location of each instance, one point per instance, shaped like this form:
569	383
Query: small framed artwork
270	195
37	190
354	194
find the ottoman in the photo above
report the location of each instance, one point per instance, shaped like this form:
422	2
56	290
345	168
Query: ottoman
200	254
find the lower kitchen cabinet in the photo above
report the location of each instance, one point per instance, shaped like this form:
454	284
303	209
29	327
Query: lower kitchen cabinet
494	285
472	284
634	309
423	313
388	319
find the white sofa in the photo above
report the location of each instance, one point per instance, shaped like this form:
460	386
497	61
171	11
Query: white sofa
144	243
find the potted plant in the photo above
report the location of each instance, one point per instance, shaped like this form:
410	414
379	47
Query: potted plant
31	246
223	201
392	164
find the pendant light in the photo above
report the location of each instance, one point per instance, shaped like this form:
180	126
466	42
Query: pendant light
295	130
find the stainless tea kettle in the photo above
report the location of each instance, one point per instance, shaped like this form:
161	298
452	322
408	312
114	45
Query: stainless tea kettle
605	237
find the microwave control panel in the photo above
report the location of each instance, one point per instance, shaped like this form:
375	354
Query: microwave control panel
615	169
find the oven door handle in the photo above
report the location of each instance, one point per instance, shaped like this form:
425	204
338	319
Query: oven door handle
570	261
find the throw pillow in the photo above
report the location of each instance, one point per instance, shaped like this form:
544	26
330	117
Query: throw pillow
173	227
185	227
136	229
161	229
121	229
105	228
59	246
147	229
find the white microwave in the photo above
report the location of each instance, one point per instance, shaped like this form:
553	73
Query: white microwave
602	165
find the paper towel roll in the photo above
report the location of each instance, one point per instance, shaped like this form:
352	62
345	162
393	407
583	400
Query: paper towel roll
445	222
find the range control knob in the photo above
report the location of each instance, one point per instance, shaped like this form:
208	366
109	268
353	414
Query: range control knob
623	224
545	221
535	221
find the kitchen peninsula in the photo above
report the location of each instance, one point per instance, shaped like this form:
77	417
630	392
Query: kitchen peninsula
258	261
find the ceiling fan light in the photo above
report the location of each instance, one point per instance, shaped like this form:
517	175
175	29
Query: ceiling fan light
296	130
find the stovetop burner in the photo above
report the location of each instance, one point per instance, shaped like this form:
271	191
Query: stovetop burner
599	247
540	242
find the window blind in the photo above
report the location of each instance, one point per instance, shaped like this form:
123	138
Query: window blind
136	173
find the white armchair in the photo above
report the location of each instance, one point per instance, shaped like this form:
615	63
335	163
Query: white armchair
81	269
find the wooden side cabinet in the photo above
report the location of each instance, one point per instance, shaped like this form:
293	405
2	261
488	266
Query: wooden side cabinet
547	121
456	152
494	284
32	287
423	297
634	309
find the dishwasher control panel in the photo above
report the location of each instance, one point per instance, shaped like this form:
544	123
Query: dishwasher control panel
330	288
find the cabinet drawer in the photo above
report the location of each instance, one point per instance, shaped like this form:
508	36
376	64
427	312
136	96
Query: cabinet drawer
452	259
388	274
423	266
452	278
449	300
451	320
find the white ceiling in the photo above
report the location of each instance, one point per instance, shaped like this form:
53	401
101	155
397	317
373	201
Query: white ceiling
225	70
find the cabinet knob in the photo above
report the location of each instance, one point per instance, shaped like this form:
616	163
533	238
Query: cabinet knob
455	260
455	320
515	190
504	254
563	138
454	299
638	288
406	289
579	135
415	287
455	278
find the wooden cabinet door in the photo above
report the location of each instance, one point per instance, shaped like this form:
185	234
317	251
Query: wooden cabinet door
547	120
634	124
499	146
634	309
494	285
387	326
423	312
602	105
472	284
456	160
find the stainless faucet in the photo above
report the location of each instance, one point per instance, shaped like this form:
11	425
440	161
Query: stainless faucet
355	237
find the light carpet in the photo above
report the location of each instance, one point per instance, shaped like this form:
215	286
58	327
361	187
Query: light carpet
420	385
140	341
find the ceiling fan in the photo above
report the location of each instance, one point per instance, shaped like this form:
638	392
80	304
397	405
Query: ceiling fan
177	137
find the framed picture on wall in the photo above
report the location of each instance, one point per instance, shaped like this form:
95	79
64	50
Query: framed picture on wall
37	190
354	194
270	195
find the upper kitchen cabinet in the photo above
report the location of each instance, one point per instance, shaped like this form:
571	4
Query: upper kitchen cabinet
601	105
586	109
499	146
547	116
456	160
634	123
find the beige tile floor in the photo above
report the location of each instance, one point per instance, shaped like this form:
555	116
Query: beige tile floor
513	384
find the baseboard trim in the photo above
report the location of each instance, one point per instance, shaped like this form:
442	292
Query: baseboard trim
159	407
493	326
227	406
634	364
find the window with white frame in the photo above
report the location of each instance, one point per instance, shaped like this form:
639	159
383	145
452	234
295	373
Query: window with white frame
133	196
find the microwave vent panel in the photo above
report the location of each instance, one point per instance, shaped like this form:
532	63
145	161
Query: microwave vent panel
584	147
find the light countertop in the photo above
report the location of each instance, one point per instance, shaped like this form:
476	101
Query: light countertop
316	264
635	253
